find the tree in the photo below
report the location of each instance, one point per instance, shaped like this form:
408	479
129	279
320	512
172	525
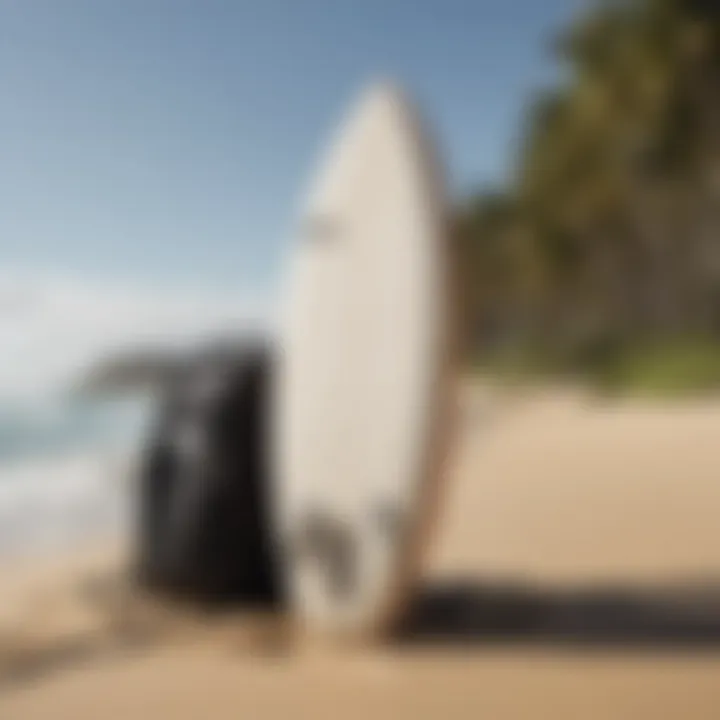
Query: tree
611	225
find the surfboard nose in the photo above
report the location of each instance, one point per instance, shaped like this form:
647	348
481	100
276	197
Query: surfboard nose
380	93
383	103
381	116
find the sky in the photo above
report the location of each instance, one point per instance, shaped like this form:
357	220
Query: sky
153	150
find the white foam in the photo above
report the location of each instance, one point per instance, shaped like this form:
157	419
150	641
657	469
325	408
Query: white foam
54	325
49	505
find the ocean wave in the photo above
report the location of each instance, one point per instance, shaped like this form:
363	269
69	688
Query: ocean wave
53	503
56	425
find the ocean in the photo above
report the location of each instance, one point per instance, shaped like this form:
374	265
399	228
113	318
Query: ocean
66	469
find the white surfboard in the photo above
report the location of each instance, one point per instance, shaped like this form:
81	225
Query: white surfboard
363	373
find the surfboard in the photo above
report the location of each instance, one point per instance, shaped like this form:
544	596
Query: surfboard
362	383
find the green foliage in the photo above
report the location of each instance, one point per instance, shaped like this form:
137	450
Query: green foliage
609	234
669	368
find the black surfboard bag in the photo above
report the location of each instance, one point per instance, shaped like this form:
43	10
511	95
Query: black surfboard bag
203	530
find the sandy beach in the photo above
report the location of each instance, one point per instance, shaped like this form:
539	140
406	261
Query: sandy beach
575	573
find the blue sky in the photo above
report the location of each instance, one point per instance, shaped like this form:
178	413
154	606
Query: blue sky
171	138
153	147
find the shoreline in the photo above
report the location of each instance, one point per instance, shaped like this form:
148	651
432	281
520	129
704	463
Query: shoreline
565	516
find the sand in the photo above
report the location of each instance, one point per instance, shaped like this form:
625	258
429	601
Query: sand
574	574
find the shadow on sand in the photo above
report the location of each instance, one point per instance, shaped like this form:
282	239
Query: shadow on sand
683	616
466	612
